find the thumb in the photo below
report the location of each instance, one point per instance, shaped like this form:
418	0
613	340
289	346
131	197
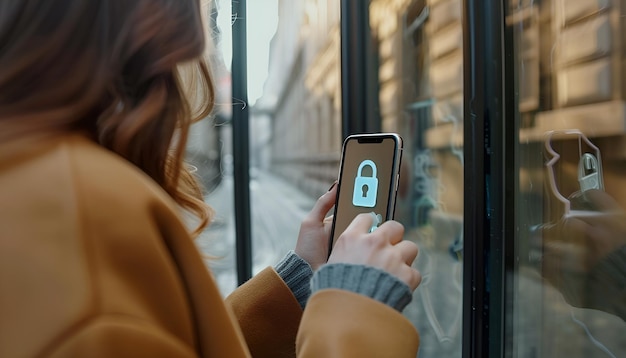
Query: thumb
324	204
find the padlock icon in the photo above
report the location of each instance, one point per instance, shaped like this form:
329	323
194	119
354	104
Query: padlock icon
589	173
365	188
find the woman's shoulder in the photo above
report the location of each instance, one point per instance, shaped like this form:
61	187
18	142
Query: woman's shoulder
104	177
74	184
86	174
96	167
84	226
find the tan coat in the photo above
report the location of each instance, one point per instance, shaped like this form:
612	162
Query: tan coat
95	262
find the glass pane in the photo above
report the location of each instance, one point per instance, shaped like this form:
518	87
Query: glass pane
569	283
295	117
295	126
210	151
421	97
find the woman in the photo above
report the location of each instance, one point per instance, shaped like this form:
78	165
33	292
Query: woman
94	258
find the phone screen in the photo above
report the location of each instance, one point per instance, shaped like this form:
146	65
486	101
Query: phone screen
367	180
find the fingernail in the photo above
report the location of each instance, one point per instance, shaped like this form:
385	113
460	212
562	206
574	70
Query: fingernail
332	186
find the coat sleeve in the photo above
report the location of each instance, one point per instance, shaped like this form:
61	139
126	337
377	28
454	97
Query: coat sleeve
336	323
268	315
339	323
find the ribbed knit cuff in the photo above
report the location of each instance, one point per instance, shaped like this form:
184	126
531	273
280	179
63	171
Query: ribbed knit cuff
297	274
365	280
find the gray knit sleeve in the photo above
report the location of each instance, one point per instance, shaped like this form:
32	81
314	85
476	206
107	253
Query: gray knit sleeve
296	273
365	280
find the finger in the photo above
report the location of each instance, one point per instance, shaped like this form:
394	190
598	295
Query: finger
408	250
361	223
564	256
392	231
324	204
603	219
602	201
328	225
413	278
570	230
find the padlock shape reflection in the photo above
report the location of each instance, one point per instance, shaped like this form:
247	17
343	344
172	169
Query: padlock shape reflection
365	188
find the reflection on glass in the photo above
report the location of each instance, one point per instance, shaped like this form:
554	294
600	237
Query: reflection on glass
209	150
569	282
421	97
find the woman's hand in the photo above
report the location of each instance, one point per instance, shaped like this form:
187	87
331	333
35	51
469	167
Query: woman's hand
312	245
579	243
382	248
575	247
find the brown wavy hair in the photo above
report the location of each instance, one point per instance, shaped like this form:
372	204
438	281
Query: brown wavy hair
111	68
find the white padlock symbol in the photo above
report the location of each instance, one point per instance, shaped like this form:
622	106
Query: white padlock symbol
589	173
365	188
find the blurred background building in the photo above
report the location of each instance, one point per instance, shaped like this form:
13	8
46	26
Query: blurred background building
302	95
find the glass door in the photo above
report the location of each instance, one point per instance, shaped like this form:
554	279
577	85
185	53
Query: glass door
568	283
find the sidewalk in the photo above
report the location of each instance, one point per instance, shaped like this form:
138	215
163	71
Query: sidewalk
277	209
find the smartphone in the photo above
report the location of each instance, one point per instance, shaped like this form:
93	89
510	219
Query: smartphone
369	174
